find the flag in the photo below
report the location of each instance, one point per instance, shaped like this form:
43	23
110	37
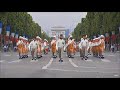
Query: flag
0	27
16	35
7	30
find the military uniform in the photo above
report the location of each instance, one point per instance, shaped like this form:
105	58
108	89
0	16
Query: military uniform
84	46
98	46
71	48
33	48
45	46
39	47
20	47
53	47
101	46
60	47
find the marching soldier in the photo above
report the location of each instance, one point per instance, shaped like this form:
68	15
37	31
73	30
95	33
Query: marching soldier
93	47
45	46
84	47
80	48
71	48
39	47
25	48
60	46
53	47
101	46
20	46
33	48
89	47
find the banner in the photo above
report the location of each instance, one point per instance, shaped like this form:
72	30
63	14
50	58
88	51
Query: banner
0	24
0	30
7	30
0	27
16	35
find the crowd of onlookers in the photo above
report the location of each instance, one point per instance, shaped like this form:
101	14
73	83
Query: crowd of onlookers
112	47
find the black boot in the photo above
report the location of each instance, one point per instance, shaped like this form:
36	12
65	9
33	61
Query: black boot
102	57
40	56
85	58
20	57
82	58
69	56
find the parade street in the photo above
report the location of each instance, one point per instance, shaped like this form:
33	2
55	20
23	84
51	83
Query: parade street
47	67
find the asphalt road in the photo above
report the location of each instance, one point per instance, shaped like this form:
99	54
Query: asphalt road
47	67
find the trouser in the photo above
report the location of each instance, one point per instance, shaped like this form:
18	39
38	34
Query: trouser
33	51
71	53
54	53
45	50
89	50
84	51
81	53
60	52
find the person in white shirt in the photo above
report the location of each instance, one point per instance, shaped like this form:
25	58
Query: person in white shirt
60	47
33	48
89	47
84	46
39	50
45	46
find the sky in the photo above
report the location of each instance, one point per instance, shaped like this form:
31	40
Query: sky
46	20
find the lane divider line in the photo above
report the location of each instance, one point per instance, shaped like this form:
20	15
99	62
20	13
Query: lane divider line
46	66
74	65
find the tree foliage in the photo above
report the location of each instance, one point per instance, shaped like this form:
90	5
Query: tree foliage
20	22
97	23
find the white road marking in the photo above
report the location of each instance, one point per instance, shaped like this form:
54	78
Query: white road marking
105	60
15	61
7	55
87	67
70	60
77	55
2	60
88	60
34	61
111	55
116	75
46	66
63	70
77	70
